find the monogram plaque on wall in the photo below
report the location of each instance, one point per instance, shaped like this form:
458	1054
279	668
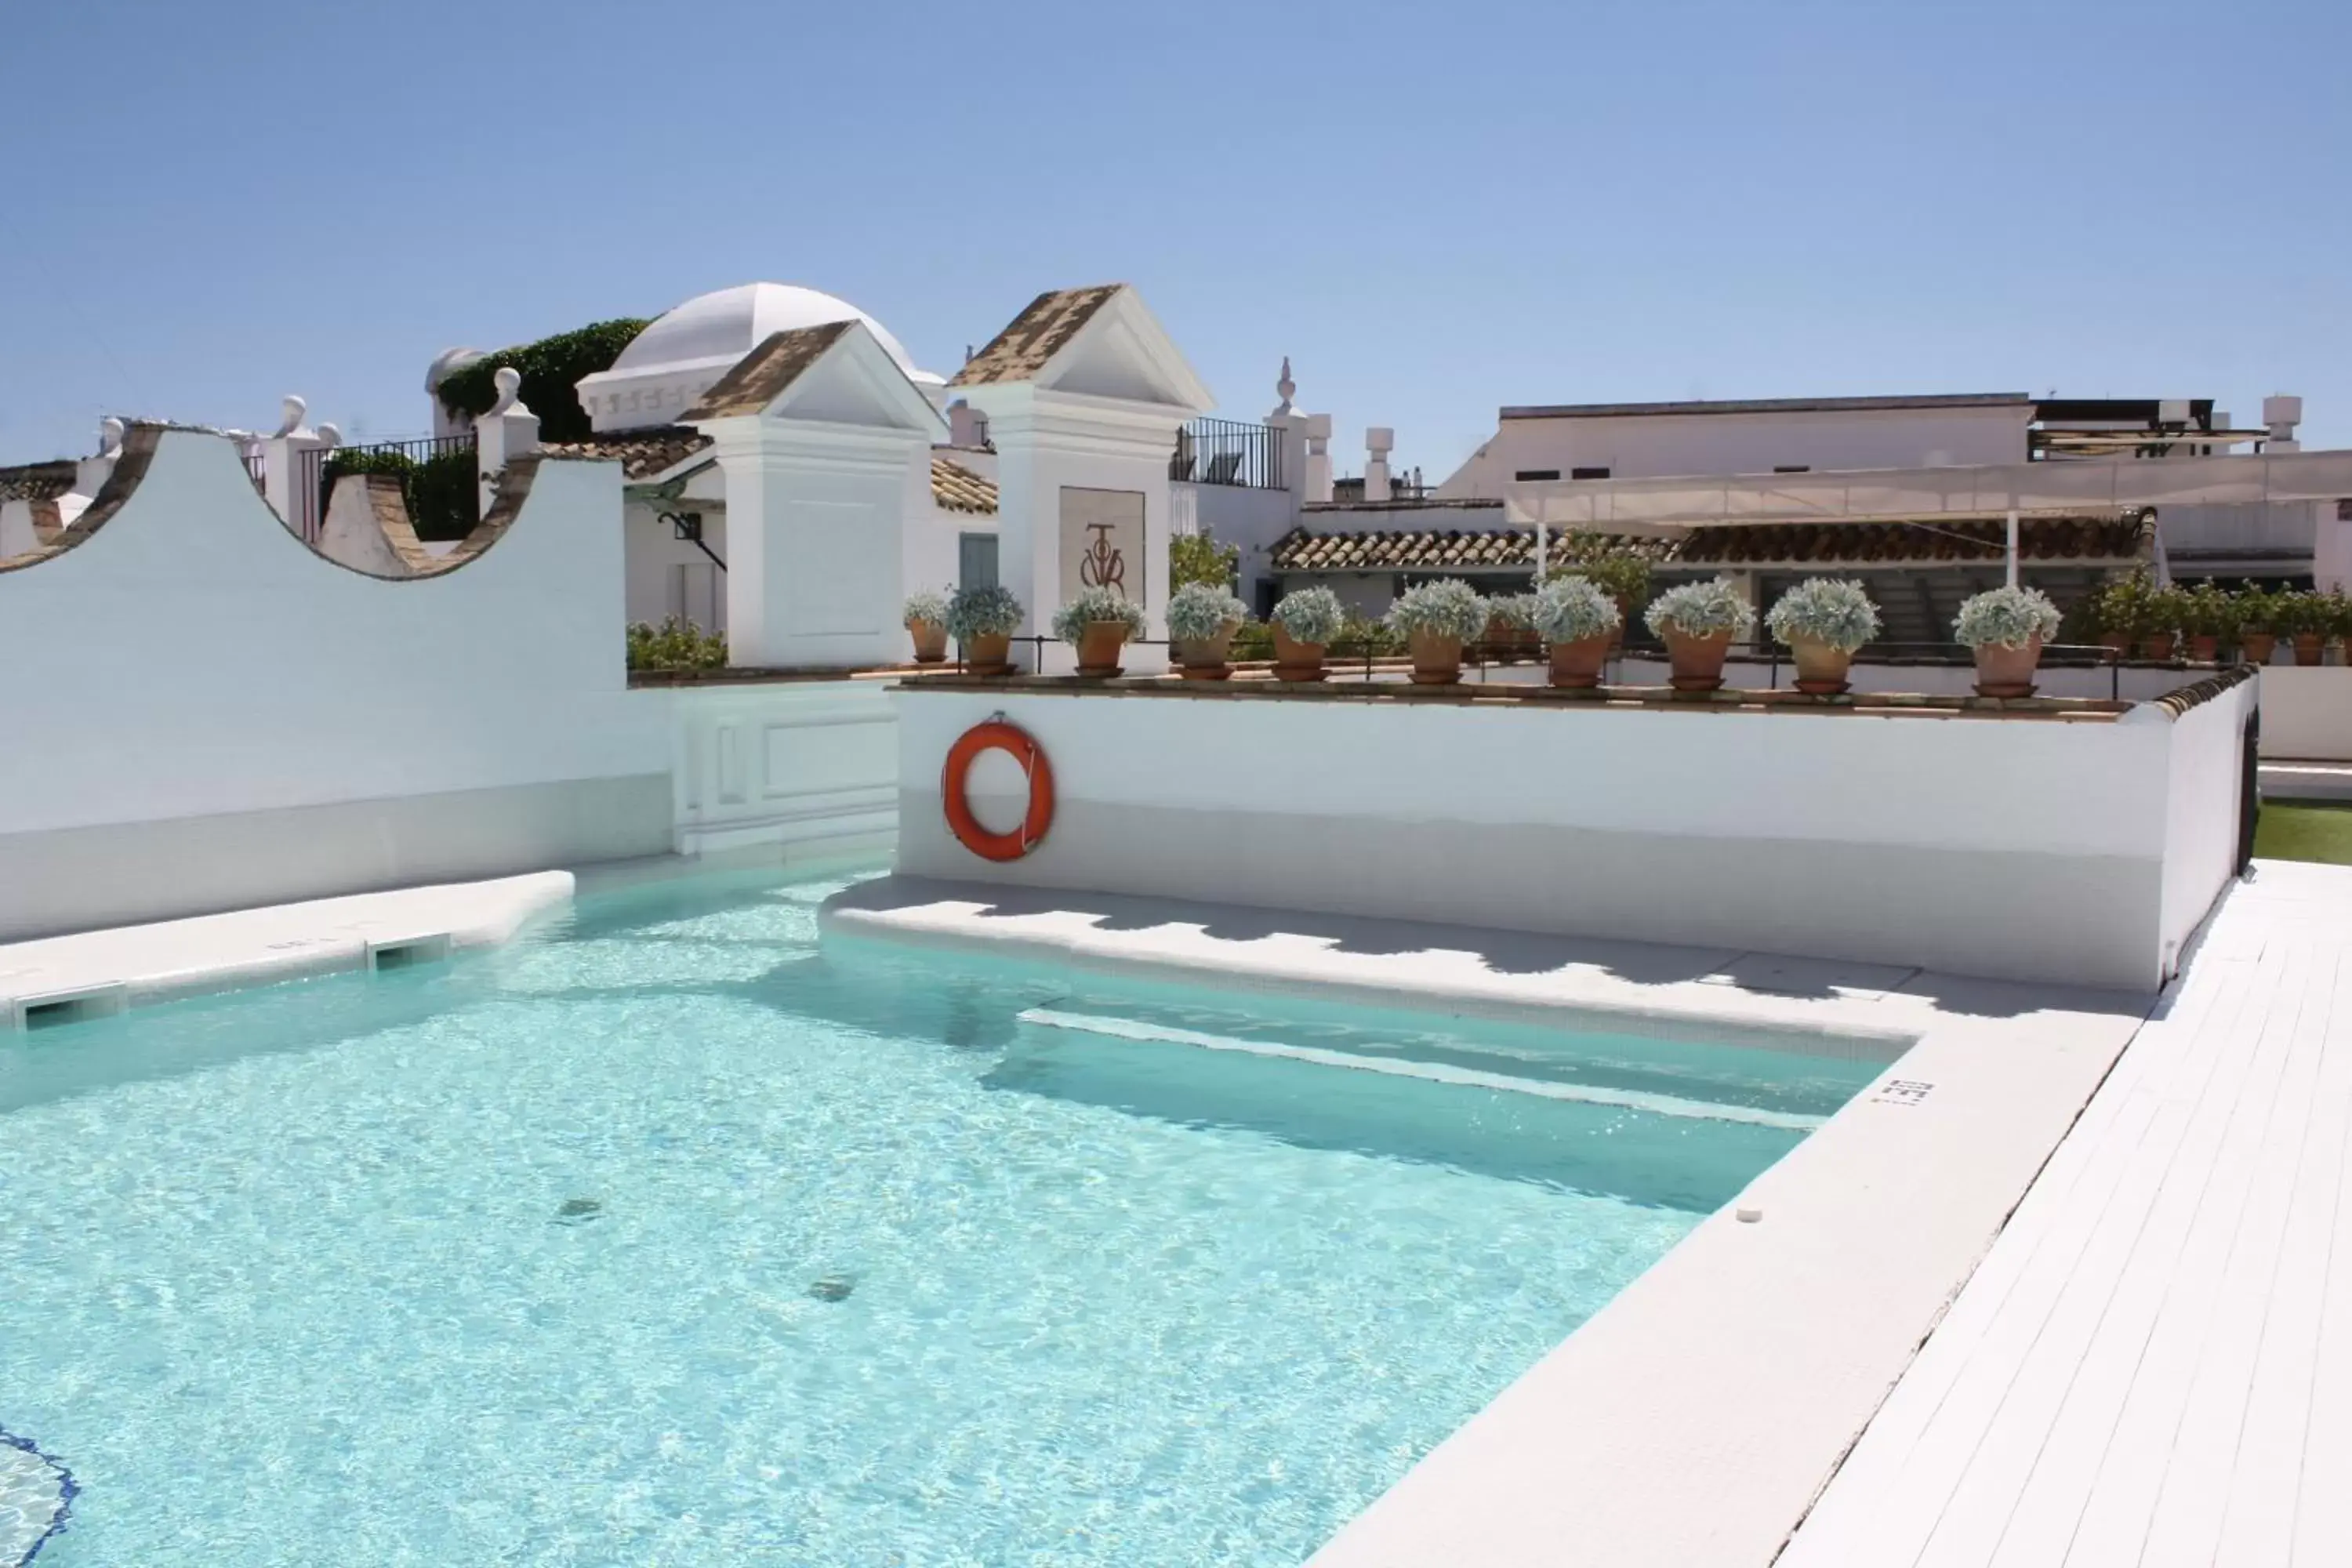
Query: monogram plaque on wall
1102	541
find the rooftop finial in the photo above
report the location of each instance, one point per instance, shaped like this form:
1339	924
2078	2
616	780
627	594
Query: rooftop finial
290	416
509	381
110	431
1286	388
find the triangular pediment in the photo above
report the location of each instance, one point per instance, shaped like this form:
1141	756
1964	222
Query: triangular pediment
1101	342
837	373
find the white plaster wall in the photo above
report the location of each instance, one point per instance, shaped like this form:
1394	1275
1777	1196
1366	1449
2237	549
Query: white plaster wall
2307	713
655	554
2030	850
192	660
1237	514
2205	778
1661	445
799	763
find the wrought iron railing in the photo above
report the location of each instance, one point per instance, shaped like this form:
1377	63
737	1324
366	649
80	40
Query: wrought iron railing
1228	452
437	480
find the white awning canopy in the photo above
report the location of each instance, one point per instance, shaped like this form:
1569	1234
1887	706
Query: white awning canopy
2078	488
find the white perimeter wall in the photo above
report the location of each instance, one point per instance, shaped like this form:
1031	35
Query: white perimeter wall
203	714
809	765
2307	713
2205	778
2019	849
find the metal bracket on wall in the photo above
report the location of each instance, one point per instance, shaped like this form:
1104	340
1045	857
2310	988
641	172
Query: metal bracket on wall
688	526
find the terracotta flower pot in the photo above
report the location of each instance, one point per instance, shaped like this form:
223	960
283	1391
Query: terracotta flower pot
2309	647
1296	660
1698	661
1821	669
2257	647
2116	643
2008	671
2157	645
1098	647
2204	648
930	641
1206	658
989	653
1436	661
1577	665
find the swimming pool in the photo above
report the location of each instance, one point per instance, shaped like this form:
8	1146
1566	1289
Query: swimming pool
665	1237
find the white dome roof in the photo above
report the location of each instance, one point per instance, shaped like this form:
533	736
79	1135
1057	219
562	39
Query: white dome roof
719	328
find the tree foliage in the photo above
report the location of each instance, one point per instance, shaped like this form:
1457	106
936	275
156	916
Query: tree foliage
1199	558
551	368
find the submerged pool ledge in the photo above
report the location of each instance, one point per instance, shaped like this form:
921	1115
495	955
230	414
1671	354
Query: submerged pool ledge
106	971
1693	1421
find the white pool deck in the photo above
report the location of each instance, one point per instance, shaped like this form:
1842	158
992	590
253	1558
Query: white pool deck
2153	1363
2146	1360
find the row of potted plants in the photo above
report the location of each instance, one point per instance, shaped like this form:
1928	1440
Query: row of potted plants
1822	621
2133	611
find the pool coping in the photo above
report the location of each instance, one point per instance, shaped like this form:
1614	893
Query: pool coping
1693	1421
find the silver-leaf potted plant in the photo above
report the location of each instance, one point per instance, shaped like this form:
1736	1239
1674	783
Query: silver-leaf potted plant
1435	619
1699	622
1579	622
2006	627
925	617
1305	622
1821	621
1098	623
1201	620
983	621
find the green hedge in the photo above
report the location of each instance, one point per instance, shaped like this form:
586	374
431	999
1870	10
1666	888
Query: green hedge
443	495
551	368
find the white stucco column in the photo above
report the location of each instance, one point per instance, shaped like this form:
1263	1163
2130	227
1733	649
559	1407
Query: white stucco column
816	541
1063	461
507	432
288	479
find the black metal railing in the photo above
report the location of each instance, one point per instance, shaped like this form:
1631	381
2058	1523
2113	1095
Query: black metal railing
1228	452
437	481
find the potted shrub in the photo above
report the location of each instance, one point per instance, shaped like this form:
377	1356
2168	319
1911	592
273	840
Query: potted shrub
2167	608
1098	623
1623	574
2119	612
983	621
2301	617
926	616
2207	616
1305	622
1699	622
2258	629
2007	627
1579	621
1435	619
1821	621
1510	624
1201	620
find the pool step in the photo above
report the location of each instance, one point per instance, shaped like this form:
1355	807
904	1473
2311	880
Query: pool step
1433	1072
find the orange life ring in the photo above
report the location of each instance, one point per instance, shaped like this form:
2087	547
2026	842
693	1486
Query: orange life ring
1005	737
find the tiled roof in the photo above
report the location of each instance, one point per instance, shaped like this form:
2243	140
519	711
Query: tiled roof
2061	539
957	489
642	453
36	481
761	376
1035	336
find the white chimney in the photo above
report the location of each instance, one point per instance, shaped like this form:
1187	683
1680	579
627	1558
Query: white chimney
1378	442
2281	415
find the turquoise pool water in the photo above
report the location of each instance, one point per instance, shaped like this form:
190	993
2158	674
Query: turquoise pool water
665	1238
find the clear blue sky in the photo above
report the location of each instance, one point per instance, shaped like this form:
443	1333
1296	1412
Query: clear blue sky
1434	209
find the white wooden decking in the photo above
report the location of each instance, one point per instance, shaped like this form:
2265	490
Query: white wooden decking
2153	1363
